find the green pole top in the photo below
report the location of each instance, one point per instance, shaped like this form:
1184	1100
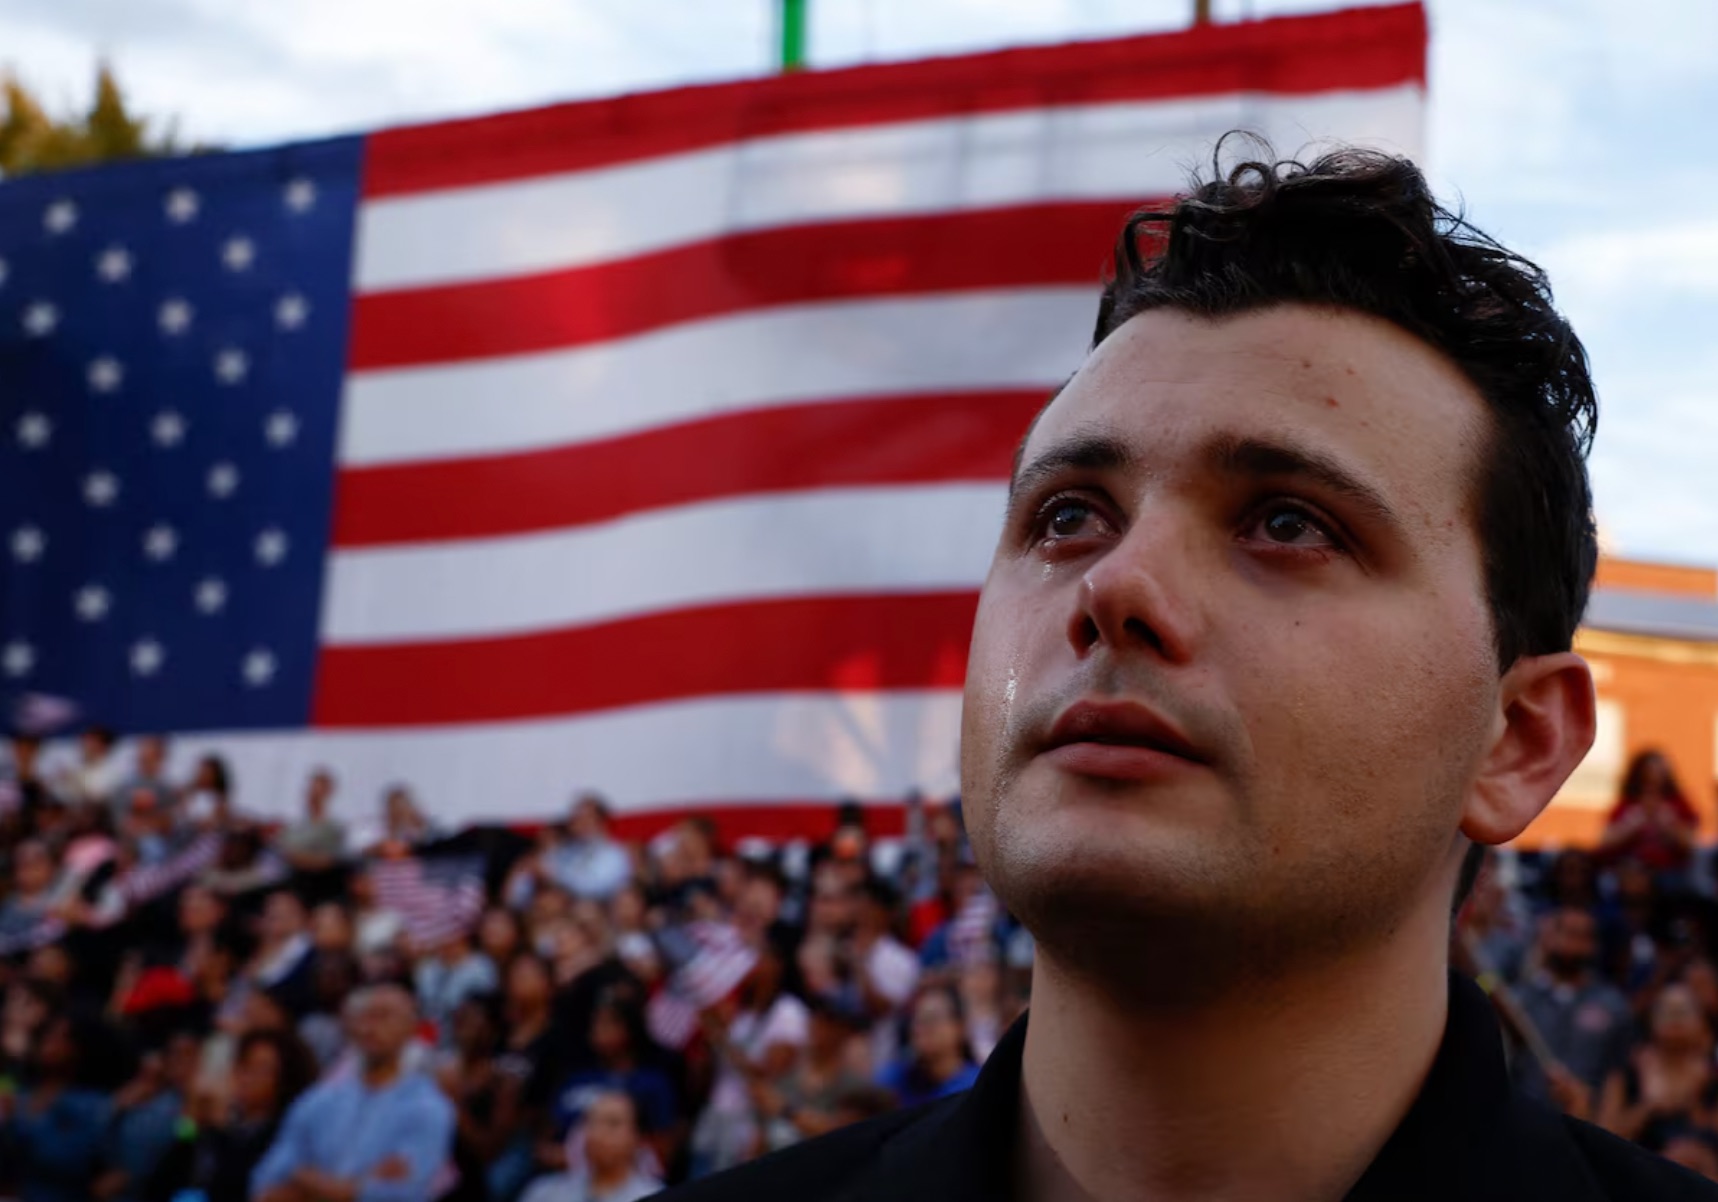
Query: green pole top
792	35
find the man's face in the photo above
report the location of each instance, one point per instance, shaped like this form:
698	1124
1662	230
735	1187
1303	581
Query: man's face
831	904
380	1025
1251	544
33	868
151	757
180	1062
1571	940
585	822
282	917
760	901
200	911
330	927
611	1132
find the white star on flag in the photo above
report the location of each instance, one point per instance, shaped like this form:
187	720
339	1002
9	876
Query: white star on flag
223	479
100	488
280	429
113	264
60	216
238	253
300	195
3	271
168	429
147	656
28	543
232	365
182	205
290	311
92	602
271	546
259	667
211	596
34	430
40	318
175	316
18	658
160	542
106	374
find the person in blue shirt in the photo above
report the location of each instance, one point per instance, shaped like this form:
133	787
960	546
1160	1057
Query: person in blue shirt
52	1133
578	856
382	1134
940	1060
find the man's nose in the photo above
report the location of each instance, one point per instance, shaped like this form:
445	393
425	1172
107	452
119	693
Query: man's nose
1144	593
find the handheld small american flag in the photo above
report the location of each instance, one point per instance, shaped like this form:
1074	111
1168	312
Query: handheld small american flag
438	897
655	444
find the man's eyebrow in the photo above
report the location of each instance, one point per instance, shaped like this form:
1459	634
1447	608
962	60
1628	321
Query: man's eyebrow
1259	457
1092	451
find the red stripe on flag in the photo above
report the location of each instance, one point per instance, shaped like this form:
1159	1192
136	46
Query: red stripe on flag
835	444
998	248
777	821
1358	48
844	643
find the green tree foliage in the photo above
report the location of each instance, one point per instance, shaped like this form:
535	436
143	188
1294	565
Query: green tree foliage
32	139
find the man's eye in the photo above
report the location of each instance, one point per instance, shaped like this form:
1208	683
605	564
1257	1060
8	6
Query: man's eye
1291	526
1068	517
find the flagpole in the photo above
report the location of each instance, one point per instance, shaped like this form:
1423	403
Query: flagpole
1201	12
792	35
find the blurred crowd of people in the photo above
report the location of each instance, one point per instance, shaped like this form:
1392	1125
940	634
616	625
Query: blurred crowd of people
201	1005
1603	964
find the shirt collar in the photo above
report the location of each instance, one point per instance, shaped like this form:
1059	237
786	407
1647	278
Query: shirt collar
1467	1135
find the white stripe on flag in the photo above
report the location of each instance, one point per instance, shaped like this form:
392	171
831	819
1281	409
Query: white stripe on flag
759	748
1126	150
828	542
973	341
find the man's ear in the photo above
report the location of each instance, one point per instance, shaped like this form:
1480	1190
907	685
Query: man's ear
1544	726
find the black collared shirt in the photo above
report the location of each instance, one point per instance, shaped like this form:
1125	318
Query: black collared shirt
1468	1136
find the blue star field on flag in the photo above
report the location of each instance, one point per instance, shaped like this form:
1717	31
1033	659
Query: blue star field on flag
172	343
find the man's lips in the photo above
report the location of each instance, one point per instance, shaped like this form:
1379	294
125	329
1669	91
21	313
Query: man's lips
1119	740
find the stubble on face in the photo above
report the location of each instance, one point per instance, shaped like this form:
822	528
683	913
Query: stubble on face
1341	695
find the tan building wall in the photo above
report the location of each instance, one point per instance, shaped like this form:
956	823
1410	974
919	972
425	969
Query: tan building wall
1654	692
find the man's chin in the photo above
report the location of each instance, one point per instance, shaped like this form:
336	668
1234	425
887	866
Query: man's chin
1143	832
1111	866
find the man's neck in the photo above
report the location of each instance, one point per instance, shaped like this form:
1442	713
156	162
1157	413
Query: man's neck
604	1179
1287	1090
382	1073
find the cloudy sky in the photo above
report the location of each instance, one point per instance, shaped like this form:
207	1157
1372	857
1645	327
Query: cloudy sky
1579	131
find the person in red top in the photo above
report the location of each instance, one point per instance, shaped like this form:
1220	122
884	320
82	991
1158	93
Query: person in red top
1652	822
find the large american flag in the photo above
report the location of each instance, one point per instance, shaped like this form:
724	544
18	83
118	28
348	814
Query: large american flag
655	445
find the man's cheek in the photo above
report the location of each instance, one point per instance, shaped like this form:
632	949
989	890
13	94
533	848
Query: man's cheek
1001	640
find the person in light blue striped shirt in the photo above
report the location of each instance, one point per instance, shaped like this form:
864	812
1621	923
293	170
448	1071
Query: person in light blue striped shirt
381	1135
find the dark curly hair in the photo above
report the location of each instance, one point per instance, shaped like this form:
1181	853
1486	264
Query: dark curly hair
1360	230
